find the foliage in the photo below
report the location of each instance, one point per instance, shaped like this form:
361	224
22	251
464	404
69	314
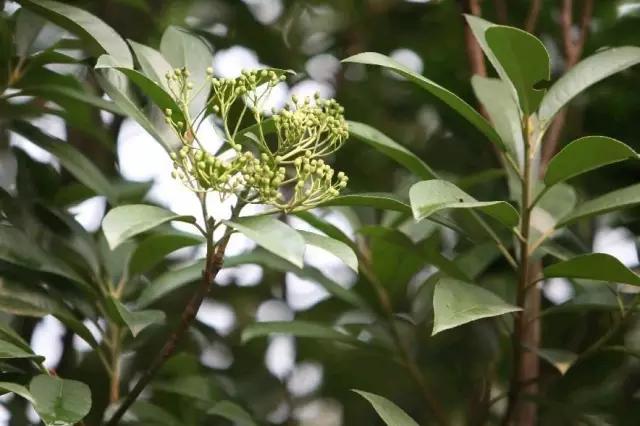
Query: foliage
449	253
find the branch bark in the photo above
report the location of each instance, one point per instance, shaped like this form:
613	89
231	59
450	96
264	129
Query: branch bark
532	17
573	47
213	264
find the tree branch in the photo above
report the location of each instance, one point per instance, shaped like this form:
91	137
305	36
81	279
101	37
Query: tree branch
572	52
213	264
532	16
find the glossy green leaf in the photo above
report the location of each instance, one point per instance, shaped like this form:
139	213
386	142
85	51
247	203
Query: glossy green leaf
168	282
9	335
60	401
154	90
611	201
328	228
17	389
456	303
18	249
28	27
593	266
152	63
557	202
455	102
524	60
156	247
150	414
335	247
58	92
131	109
184	49
378	200
272	235
232	412
585	154
390	148
583	75
297	328
70	158
136	321
430	196
9	351
560	359
124	222
387	410
99	36
497	99
273	262
21	300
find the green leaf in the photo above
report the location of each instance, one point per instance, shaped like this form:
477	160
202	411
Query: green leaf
28	27
614	200
297	328
8	334
149	414
17	389
585	154
557	202
561	359
70	158
232	412
168	282
124	222
387	410
58	92
455	102
184	49
20	300
456	303
392	149
583	75
99	37
136	321
524	60
152	63
17	248
60	401
152	89
156	247
335	247
593	266
273	235
131	109
326	227
429	196
10	351
496	97
378	200
271	261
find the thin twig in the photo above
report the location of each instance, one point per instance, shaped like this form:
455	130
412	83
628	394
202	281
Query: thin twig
532	17
407	360
572	52
213	265
495	239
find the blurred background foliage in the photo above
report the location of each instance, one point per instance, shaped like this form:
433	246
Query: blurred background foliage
311	37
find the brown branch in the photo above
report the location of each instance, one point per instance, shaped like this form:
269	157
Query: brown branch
502	13
474	52
532	16
213	264
572	52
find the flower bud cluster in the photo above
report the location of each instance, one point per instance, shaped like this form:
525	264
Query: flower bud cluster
284	168
226	91
316	125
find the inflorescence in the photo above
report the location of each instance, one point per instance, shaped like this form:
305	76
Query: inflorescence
277	160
